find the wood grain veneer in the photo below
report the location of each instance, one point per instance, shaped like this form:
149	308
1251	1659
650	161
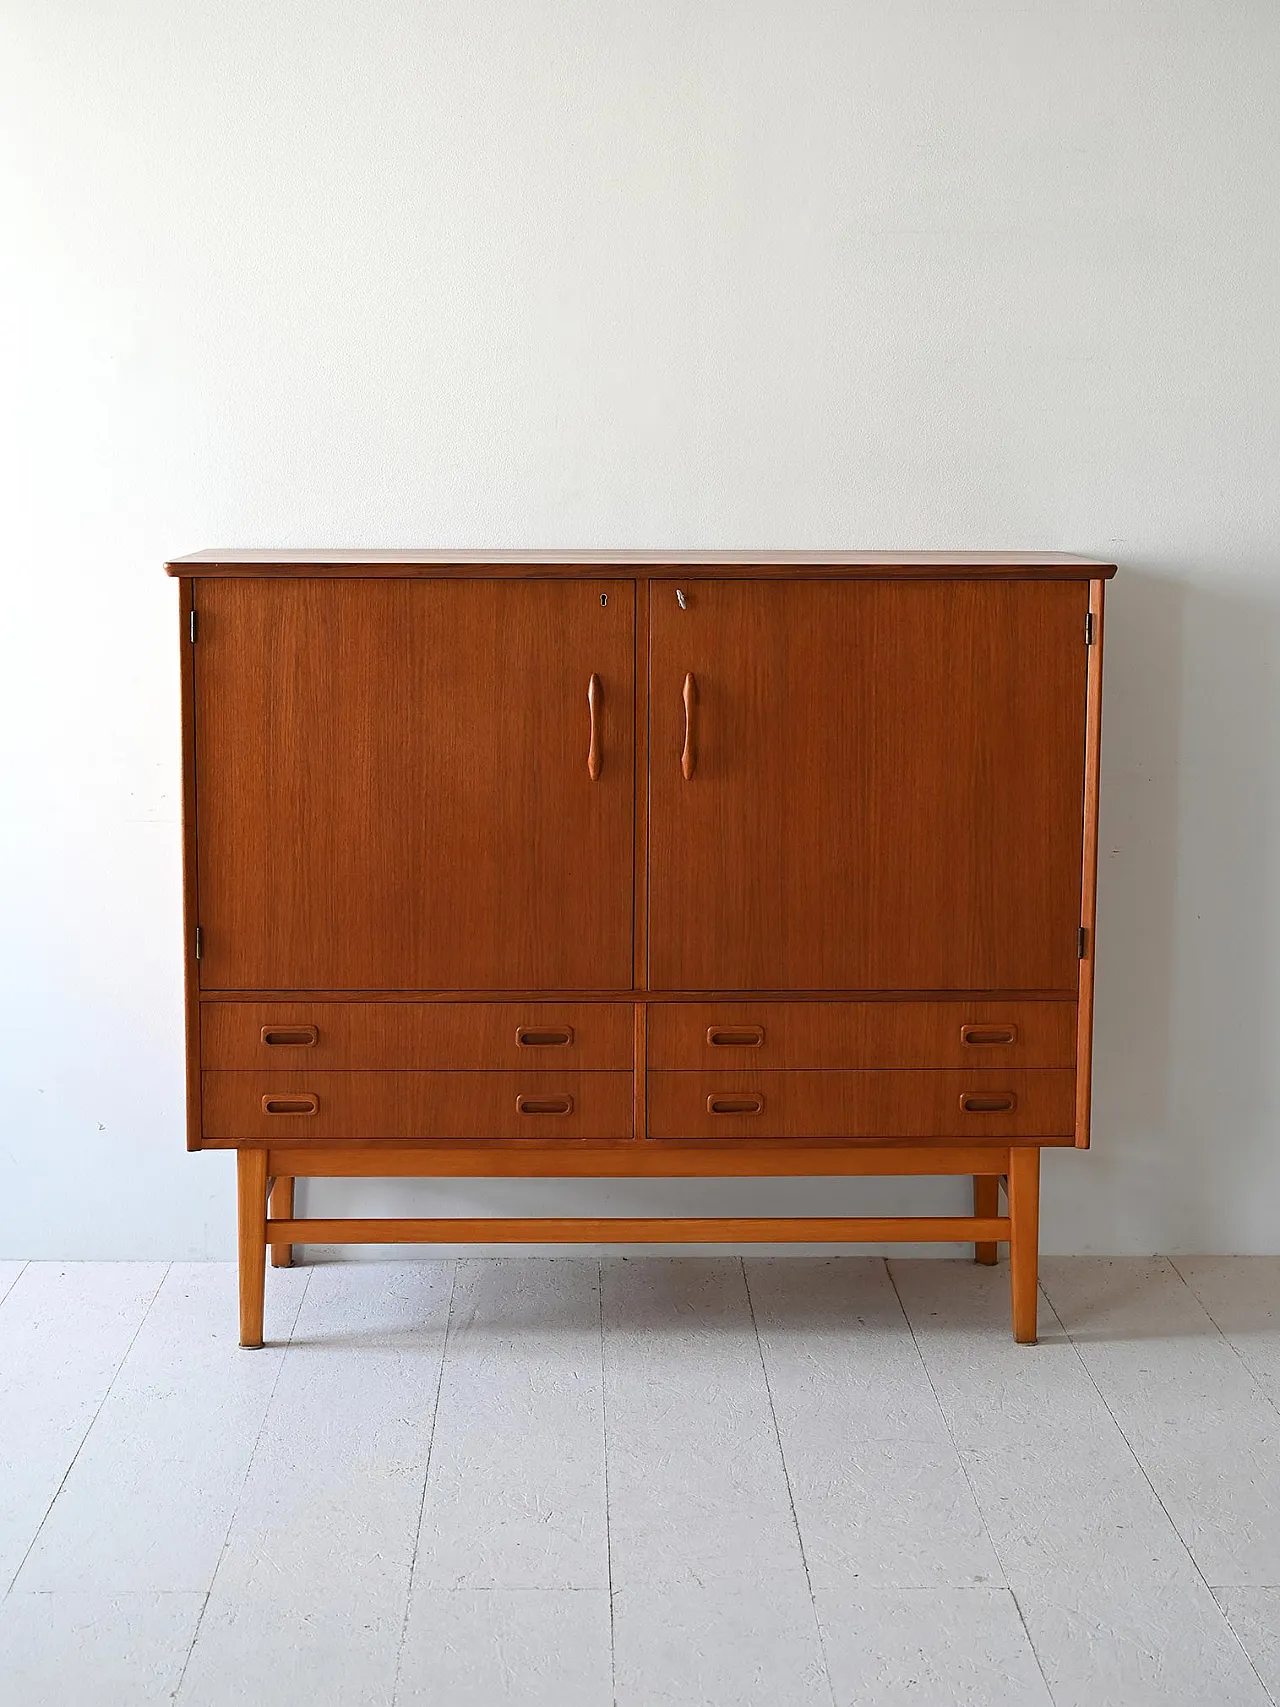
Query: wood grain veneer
755	1034
863	1105
307	1036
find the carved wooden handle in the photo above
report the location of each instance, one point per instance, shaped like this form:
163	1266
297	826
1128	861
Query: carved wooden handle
543	1037
593	704
689	757
306	1103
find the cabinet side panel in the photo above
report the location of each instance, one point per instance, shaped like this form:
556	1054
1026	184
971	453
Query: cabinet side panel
190	894
1089	874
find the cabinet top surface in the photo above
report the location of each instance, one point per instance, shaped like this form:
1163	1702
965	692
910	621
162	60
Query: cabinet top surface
1046	565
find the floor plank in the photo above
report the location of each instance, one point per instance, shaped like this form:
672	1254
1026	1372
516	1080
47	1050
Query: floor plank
64	1331
308	1603
94	1650
516	1494
880	1494
150	1497
1203	1430
991	1391
697	1488
1254	1616
955	1647
1138	1646
726	1644
1241	1296
668	1429
506	1648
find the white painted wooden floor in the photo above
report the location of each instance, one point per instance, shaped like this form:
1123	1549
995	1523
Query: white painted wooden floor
792	1483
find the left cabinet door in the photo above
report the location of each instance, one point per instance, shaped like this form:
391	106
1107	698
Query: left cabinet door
394	784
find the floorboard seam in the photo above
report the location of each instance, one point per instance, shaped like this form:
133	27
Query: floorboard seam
1155	1492
426	1482
786	1476
1258	1386
110	1387
244	1482
22	1267
964	1471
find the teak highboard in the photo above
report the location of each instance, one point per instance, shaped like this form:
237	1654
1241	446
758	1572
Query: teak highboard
639	864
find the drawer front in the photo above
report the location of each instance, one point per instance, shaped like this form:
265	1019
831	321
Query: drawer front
429	1036
686	1036
293	1106
977	1104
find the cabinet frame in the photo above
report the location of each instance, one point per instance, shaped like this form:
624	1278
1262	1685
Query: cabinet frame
267	1170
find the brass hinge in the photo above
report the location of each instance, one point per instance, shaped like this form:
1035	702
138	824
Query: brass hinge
1088	629
193	628
199	942
1082	943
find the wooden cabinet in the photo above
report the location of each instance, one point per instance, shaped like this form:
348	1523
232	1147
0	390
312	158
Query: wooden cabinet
639	864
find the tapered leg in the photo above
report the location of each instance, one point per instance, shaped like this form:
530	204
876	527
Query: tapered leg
1024	1239
281	1205
986	1202
251	1182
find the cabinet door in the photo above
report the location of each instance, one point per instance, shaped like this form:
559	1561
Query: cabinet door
393	784
886	789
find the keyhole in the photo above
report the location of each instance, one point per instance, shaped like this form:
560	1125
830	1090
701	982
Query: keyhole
604	598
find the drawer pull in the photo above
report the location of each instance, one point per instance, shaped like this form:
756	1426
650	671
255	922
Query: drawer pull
543	1037
289	1036
751	1104
735	1036
983	1034
995	1102
305	1104
545	1105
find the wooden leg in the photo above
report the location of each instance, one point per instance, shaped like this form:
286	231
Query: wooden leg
251	1182
1024	1239
986	1202
281	1206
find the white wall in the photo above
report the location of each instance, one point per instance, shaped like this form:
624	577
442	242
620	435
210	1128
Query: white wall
518	272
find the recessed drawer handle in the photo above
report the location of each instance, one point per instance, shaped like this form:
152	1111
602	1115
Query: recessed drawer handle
997	1102
543	1037
305	1104
735	1105
545	1105
735	1036
981	1034
289	1036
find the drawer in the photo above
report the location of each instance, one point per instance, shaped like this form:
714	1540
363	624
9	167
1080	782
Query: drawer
977	1104
429	1036
295	1106
756	1035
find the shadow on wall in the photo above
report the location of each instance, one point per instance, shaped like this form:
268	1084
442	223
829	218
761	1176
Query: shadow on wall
1186	1090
